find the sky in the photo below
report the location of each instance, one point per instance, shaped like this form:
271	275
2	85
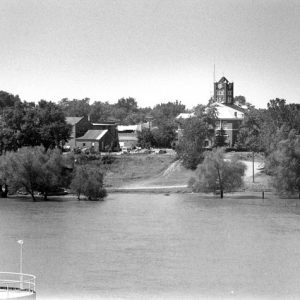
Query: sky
152	50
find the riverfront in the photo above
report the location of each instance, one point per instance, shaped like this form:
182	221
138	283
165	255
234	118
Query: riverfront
142	245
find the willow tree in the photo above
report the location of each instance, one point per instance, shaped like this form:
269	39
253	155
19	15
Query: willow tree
218	174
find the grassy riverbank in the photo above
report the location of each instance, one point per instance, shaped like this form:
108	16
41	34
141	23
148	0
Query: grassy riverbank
128	169
162	172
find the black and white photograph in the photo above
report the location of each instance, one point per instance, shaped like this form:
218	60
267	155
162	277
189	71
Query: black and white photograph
149	149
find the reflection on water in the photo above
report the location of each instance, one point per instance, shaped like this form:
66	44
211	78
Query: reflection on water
135	245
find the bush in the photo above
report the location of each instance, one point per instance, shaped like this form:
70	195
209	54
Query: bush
88	181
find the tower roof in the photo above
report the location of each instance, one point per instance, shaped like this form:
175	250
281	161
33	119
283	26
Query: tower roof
223	79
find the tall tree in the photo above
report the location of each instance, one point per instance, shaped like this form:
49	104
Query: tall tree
195	132
166	112
8	100
75	107
27	124
284	164
128	104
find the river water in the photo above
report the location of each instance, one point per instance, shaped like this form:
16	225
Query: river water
154	246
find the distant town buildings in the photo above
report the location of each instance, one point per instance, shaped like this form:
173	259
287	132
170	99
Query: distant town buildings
108	136
104	136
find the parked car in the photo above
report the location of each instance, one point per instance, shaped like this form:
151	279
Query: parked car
125	150
160	151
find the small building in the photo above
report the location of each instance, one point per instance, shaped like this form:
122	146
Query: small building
99	140
85	134
128	135
111	127
80	125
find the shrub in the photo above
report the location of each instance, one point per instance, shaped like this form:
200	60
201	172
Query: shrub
88	181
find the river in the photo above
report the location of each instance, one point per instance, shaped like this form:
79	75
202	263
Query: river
154	246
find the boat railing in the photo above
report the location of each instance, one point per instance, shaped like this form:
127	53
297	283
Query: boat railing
17	281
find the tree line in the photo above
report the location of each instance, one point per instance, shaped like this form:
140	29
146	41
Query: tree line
273	131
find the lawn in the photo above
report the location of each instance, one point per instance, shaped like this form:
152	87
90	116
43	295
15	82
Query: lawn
131	168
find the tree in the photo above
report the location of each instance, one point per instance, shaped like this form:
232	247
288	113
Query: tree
100	111
88	181
146	138
75	107
217	174
51	123
166	112
164	135
240	100
195	131
128	104
284	164
250	134
8	100
27	124
35	170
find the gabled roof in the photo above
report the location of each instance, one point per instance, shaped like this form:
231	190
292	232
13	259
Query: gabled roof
236	107
229	111
73	120
224	111
223	79
93	135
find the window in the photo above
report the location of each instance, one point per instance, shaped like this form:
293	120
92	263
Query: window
83	144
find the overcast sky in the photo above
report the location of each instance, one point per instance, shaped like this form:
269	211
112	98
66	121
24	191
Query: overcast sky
153	50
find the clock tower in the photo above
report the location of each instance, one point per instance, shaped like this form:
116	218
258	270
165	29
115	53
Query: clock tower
223	91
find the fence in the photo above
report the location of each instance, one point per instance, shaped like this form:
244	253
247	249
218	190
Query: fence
16	285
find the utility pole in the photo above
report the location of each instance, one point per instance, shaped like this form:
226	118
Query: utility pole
252	166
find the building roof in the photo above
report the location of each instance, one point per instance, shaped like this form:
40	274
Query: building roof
223	79
225	111
73	120
127	137
185	115
104	124
93	135
127	128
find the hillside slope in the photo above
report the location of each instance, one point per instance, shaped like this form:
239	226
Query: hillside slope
157	171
